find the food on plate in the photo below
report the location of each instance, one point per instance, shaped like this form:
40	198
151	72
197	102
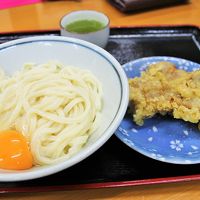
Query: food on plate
55	108
164	89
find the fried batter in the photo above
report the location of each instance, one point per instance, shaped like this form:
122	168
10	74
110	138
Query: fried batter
164	89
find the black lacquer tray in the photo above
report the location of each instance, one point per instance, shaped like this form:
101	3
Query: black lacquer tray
115	164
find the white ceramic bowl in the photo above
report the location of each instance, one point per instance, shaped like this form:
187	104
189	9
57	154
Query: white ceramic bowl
70	51
99	37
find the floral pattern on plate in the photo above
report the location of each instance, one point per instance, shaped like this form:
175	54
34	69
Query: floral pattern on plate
161	138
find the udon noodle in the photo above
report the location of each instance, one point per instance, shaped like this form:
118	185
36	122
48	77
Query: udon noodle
55	107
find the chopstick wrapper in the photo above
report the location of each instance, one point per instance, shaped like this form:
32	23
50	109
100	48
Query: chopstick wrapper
136	5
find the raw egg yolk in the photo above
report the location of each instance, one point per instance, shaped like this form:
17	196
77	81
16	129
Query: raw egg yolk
14	151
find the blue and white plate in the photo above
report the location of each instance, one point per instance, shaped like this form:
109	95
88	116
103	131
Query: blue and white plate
161	138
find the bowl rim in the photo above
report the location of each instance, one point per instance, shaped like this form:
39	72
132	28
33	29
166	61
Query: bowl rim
51	169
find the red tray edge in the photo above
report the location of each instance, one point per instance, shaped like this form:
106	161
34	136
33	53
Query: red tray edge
100	185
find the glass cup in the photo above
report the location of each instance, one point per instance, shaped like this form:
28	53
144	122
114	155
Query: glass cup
79	20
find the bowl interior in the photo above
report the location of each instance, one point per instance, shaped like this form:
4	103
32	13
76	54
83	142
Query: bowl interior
74	53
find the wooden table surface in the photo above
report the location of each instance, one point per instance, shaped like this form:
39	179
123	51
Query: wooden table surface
46	16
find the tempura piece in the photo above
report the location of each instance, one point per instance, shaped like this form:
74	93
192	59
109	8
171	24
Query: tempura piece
164	89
